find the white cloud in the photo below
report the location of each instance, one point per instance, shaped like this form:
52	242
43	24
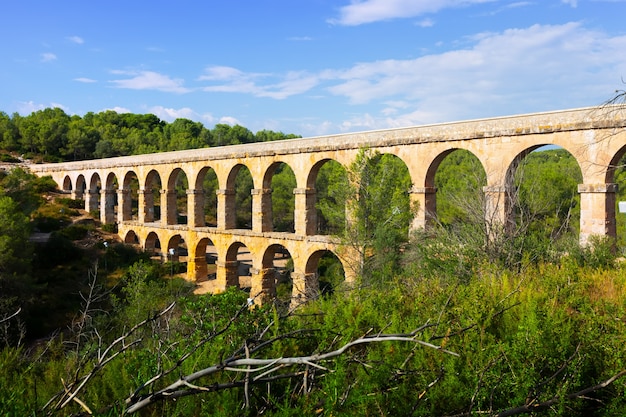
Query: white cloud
170	114
76	39
85	80
118	109
229	121
149	80
426	23
232	80
48	57
359	12
572	3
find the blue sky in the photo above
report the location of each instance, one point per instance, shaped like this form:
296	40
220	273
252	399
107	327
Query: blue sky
311	67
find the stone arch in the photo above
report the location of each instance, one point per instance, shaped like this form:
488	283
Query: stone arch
428	190
92	196
176	254
277	199
521	204
152	244
237	266
81	186
128	196
615	178
328	268
109	203
67	184
151	192
239	186
176	197
202	263
205	204
275	270
132	238
314	193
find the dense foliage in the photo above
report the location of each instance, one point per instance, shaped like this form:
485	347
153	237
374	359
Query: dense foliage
52	135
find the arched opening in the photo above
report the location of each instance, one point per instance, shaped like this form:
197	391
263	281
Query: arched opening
238	266
67	184
152	246
111	203
330	180
616	174
459	179
544	202
328	269
208	184
130	196
276	273
282	181
177	187
131	238
176	256
92	200
240	181
81	187
205	258
152	197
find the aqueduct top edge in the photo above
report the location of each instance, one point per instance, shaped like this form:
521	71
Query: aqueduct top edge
516	125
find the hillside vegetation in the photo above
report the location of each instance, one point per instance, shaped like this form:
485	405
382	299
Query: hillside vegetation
452	322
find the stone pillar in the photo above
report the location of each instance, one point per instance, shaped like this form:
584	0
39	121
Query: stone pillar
263	285
426	200
226	218
77	194
597	211
168	207
305	214
124	205
262	210
146	206
91	201
497	209
197	269
107	206
227	275
305	287
195	208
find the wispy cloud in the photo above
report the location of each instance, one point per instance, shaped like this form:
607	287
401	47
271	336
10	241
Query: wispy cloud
231	80
76	39
369	11
149	80
48	57
85	80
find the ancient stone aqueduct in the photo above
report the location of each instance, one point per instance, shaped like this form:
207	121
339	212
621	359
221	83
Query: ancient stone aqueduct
596	137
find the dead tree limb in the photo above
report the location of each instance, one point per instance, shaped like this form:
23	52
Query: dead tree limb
262	370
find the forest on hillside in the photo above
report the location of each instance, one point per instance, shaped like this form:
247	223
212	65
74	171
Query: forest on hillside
462	319
51	135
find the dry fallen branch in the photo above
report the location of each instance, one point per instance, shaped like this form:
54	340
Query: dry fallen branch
261	370
115	348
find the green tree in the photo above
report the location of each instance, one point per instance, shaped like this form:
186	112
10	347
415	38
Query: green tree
379	212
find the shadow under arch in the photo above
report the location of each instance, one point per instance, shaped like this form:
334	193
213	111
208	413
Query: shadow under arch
326	209
152	197
328	269
237	266
131	238
206	187
177	186
278	215
239	186
204	256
